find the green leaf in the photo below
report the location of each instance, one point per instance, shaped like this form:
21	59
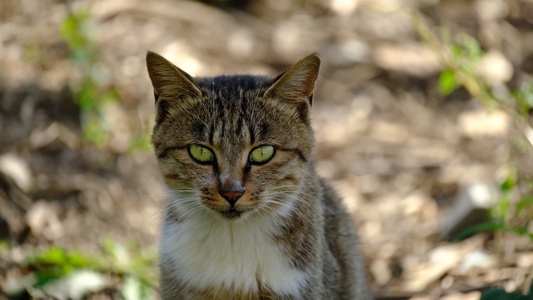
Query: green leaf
523	202
501	294
447	82
72	29
44	277
109	245
473	49
94	132
509	183
501	209
55	269
111	96
78	260
4	247
457	52
527	92
523	98
53	255
487	226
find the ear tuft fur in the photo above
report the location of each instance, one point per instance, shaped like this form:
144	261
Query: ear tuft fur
298	82
169	80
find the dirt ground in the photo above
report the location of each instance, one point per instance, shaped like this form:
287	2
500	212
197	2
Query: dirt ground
397	150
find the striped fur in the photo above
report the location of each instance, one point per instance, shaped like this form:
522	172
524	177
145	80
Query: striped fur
288	236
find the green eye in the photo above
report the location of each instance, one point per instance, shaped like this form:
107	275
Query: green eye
201	154
261	155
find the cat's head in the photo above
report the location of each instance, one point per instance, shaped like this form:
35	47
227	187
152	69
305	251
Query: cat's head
233	146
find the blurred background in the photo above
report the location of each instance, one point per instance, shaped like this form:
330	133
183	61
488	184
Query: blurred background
422	110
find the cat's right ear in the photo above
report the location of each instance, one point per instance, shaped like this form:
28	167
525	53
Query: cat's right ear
169	80
297	84
298	81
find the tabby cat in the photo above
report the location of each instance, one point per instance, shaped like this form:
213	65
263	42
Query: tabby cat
247	216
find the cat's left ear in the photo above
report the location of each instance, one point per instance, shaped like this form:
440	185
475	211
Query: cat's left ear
169	80
298	82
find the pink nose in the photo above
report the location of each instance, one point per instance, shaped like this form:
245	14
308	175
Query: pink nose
232	196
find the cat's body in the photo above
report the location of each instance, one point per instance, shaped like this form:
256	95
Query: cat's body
247	215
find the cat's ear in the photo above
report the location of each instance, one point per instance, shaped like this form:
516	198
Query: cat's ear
298	82
169	80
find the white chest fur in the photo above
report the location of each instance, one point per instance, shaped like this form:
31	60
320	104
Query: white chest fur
210	252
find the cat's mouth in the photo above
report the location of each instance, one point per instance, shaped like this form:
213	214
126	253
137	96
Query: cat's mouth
231	213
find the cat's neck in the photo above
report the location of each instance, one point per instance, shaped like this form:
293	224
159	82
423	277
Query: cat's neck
215	253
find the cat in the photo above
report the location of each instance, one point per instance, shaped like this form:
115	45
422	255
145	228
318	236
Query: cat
247	216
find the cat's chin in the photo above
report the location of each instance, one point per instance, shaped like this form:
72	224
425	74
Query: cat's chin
231	214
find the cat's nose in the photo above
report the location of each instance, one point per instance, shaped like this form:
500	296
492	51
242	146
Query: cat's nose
231	196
